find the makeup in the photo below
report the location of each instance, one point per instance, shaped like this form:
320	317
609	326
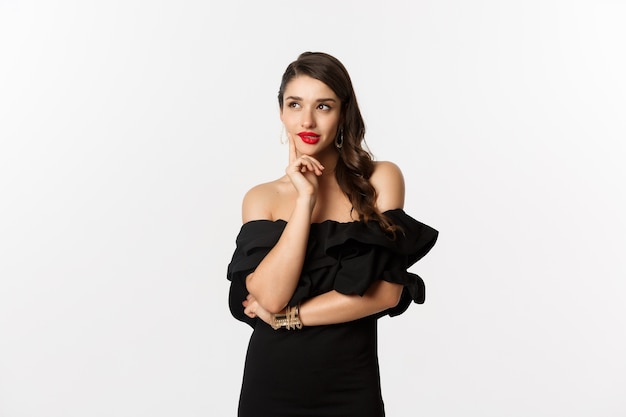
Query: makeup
309	137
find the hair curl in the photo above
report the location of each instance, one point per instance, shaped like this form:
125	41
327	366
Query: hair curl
355	165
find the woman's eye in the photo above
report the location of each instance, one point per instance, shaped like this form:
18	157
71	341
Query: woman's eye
323	107
293	105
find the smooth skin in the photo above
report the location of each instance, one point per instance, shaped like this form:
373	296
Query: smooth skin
309	193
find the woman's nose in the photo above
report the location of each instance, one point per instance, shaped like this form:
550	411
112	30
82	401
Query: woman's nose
308	121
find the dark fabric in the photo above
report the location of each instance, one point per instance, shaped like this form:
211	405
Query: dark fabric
325	370
347	257
329	371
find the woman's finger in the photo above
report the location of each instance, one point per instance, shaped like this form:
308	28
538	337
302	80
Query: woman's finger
307	163
312	163
249	311
292	150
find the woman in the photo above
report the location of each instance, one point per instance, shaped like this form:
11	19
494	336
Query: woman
322	254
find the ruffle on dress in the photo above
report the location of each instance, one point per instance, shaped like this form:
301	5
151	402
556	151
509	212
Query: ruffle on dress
346	257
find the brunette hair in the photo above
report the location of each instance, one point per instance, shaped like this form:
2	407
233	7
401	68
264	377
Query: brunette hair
355	164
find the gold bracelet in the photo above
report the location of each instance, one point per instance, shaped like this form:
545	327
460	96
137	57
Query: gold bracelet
278	321
293	316
290	319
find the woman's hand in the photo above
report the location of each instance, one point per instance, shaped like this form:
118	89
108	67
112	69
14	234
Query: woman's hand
253	309
303	171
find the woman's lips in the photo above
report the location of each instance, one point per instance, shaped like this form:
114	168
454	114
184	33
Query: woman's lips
309	137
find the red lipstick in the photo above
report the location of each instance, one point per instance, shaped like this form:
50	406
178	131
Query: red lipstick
309	137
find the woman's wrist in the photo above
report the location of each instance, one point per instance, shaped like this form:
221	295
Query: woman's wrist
289	319
306	202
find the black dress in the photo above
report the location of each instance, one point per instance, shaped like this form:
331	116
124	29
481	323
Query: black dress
325	370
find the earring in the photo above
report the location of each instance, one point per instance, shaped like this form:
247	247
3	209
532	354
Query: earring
283	136
339	140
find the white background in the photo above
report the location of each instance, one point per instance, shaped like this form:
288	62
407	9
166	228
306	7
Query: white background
129	131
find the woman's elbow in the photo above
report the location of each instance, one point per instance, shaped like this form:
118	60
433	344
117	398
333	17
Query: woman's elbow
385	294
273	303
391	294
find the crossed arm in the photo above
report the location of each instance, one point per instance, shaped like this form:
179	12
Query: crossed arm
273	282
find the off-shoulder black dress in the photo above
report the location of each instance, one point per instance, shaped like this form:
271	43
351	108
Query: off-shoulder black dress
324	370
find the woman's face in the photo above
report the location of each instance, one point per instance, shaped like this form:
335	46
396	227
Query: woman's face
311	113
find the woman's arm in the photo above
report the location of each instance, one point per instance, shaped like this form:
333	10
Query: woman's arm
274	280
334	307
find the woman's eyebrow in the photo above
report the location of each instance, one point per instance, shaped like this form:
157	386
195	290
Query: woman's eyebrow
296	98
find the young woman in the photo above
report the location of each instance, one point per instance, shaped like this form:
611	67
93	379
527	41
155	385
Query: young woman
322	254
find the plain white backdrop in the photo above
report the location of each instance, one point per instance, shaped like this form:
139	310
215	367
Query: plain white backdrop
130	130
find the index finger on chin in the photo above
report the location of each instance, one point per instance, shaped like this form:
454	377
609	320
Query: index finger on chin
292	149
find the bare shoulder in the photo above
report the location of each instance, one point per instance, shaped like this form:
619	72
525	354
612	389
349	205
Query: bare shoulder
388	181
259	202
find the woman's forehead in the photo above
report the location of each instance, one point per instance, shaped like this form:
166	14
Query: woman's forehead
307	87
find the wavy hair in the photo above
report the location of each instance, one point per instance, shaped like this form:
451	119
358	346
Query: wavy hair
355	164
